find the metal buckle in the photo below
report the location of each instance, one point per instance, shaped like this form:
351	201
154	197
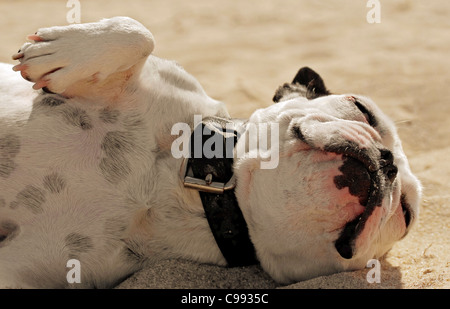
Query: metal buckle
204	185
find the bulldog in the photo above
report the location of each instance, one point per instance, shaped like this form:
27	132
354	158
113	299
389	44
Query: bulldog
88	172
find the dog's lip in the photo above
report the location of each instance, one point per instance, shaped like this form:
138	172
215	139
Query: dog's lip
355	176
351	231
379	165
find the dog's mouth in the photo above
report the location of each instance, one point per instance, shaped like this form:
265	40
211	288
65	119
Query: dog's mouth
369	179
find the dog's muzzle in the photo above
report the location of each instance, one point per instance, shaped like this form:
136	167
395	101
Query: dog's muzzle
368	174
362	176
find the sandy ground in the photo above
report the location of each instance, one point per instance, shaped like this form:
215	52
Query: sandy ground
241	51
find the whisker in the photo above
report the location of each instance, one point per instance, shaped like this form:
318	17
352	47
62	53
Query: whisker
405	121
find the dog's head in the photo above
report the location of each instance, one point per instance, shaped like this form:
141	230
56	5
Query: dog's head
342	193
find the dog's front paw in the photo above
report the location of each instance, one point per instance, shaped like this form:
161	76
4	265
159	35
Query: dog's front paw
59	57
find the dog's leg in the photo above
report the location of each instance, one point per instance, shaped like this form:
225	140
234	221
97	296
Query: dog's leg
86	60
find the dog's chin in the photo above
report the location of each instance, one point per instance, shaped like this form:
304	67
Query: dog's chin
318	255
386	224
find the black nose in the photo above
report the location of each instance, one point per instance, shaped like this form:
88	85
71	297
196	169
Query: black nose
387	164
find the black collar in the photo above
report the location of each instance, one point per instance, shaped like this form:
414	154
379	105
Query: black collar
211	173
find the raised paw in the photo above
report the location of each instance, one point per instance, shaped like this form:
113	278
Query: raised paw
58	58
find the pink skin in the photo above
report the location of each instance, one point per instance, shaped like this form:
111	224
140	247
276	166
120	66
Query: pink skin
371	227
35	38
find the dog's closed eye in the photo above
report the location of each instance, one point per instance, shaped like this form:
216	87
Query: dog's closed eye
370	118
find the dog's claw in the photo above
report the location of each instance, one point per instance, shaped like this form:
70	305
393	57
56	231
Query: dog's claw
34	37
18	55
40	84
19	67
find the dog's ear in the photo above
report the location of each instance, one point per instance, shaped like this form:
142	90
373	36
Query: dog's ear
307	83
315	87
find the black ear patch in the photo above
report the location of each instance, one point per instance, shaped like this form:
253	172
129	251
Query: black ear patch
307	83
312	81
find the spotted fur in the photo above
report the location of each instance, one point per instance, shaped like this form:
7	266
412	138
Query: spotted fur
32	198
9	148
77	244
77	117
109	115
116	145
54	183
51	101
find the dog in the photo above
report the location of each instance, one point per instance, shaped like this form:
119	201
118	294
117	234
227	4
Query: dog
88	172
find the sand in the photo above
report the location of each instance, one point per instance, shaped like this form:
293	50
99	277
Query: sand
241	51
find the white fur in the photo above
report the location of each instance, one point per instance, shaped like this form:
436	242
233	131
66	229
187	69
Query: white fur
294	212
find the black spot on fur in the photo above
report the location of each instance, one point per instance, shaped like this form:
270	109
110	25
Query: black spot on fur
9	148
54	183
7	166
355	177
116	145
8	230
31	198
109	115
77	117
52	101
77	243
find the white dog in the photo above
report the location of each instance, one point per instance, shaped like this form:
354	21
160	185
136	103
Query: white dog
88	170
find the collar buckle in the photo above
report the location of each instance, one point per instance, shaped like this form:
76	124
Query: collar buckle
204	185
